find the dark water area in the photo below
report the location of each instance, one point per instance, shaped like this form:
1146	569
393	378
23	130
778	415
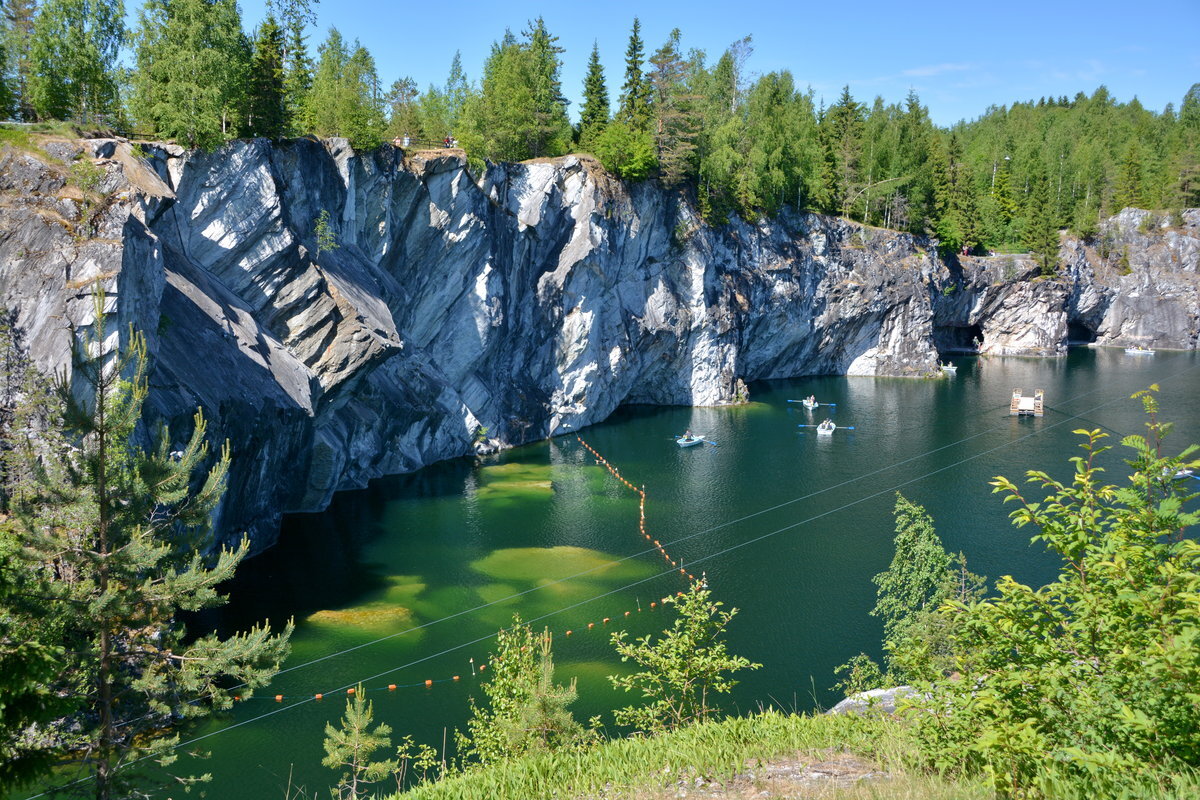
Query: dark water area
408	580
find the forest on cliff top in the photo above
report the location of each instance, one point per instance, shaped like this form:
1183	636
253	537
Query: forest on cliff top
736	142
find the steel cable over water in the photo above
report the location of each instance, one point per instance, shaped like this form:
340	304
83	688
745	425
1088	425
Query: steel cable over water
343	689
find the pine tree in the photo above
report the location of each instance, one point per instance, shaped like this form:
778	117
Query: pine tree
526	712
192	64
266	101
72	58
674	113
634	106
351	747
594	115
118	532
404	117
550	133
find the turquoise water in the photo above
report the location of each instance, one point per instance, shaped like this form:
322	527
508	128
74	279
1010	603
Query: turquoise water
408	580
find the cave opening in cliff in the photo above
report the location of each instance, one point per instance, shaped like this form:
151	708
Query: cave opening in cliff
1079	334
958	338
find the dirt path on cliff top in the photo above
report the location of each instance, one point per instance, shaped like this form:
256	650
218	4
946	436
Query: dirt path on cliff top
824	774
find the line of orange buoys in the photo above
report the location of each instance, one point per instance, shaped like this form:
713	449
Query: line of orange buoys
641	492
480	668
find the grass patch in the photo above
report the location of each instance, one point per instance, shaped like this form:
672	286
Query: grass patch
712	751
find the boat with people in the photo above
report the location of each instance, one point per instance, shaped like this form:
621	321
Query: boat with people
689	439
810	402
949	368
1138	350
826	428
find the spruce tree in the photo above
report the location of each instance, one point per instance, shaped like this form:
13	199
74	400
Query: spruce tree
72	58
404	117
594	115
1041	232
1129	182
456	92
17	32
119	534
634	106
321	104
295	17
266	103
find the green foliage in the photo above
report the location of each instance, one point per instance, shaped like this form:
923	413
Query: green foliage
323	233
73	57
520	112
713	750
526	711
918	633
594	115
627	153
1091	679
266	100
86	175
295	16
683	669
633	108
113	536
352	746
345	98
192	65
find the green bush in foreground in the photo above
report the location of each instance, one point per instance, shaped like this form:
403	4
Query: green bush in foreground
1094	679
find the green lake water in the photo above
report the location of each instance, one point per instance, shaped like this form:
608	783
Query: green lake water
408	580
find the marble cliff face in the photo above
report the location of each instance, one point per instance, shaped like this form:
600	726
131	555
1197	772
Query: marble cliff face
458	312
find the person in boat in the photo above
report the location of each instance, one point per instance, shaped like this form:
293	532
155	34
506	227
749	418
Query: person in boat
687	435
812	399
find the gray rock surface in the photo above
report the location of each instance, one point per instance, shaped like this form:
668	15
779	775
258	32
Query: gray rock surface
532	300
875	701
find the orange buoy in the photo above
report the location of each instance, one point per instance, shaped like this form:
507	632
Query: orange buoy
237	697
349	691
391	687
606	620
455	678
568	633
318	697
627	613
591	625
482	667
652	605
428	683
278	698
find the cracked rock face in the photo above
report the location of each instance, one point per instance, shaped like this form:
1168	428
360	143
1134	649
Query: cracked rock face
533	300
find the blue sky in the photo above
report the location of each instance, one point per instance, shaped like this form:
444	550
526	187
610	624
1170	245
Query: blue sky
960	56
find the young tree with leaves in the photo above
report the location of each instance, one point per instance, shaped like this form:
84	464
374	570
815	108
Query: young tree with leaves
682	670
1091	677
72	58
192	64
117	534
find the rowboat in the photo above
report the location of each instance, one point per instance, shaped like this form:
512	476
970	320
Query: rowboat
689	440
809	404
949	368
826	428
1139	351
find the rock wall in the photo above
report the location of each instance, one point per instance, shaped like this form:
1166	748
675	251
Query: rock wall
456	315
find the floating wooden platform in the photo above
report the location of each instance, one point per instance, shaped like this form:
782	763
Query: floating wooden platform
1020	405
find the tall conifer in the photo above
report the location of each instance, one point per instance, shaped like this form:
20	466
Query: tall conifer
634	108
119	533
266	112
594	115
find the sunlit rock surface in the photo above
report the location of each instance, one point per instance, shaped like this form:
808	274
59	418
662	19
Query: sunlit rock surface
528	301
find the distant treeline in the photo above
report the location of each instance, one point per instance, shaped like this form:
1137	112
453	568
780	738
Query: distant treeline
745	144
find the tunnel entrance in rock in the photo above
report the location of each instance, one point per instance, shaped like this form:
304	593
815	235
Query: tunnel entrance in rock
1079	335
958	338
